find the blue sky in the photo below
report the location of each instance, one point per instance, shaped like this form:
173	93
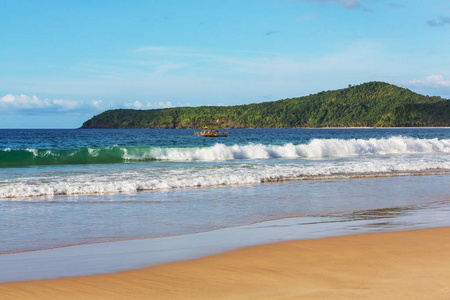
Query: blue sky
63	62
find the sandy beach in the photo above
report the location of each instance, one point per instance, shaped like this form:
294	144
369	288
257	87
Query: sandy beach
411	264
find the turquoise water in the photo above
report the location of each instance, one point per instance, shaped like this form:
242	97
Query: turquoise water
67	187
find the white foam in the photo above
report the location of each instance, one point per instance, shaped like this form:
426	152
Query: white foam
34	151
316	148
147	177
93	151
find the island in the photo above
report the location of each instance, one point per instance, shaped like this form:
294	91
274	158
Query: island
371	104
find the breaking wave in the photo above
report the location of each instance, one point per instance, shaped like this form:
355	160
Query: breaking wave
142	178
316	148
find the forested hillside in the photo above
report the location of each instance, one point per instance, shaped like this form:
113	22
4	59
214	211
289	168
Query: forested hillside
372	104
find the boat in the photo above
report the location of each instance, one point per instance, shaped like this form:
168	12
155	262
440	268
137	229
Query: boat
211	132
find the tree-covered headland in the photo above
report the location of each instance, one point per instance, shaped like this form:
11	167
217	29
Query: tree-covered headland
372	104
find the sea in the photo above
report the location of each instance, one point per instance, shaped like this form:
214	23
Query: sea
62	188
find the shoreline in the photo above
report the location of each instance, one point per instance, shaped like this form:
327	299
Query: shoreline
390	174
382	210
390	265
254	223
112	257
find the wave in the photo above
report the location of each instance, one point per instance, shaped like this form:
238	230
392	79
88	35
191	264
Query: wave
316	148
92	186
141	178
30	157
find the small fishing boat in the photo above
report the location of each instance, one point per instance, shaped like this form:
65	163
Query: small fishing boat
210	132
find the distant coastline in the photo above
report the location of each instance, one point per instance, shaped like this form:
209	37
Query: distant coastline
369	105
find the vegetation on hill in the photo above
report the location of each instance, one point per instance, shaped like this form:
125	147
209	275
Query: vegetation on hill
372	104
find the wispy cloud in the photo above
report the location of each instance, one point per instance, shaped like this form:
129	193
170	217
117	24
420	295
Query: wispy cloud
34	104
271	33
170	51
307	17
443	7
430	81
348	4
395	5
116	68
439	22
227	76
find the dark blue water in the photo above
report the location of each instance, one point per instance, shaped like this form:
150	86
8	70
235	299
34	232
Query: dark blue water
21	139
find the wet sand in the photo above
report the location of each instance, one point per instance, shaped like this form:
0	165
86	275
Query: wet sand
411	264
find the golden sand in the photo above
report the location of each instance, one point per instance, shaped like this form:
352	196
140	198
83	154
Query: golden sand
397	265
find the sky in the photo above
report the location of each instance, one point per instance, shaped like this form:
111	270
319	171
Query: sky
63	62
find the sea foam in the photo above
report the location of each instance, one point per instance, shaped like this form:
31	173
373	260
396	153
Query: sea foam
316	148
148	177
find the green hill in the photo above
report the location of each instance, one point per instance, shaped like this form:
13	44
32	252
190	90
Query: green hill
372	104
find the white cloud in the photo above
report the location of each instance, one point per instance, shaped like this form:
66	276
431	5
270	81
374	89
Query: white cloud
66	104
98	104
137	104
165	104
430	81
149	105
22	101
35	104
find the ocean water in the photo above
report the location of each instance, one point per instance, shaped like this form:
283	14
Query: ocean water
70	187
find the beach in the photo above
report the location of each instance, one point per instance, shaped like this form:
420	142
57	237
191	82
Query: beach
263	214
224	150
410	264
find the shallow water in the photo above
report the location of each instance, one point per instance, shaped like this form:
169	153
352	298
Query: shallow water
41	223
124	255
